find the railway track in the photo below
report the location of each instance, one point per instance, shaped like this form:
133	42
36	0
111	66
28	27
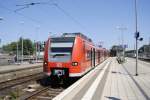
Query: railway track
14	82
46	93
41	93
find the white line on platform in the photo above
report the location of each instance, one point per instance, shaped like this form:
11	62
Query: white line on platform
72	87
88	95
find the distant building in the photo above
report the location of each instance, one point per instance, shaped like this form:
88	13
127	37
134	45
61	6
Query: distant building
116	50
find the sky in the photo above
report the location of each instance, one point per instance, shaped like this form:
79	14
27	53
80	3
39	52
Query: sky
100	20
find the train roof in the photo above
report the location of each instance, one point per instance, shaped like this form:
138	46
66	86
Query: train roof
62	39
69	37
77	34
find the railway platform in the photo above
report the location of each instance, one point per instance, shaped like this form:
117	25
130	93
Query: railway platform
111	81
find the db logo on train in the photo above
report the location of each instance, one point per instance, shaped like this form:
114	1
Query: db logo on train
59	64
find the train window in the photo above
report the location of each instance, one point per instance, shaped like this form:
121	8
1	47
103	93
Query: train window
62	39
96	55
60	54
70	44
60	49
88	55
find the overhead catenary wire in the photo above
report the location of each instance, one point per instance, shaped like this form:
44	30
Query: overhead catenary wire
20	14
51	4
68	15
71	17
23	6
27	5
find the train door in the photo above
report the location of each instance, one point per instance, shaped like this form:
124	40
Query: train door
98	56
94	57
91	57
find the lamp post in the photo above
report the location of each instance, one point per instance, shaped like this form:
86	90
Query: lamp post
22	48
36	43
137	35
17	52
22	43
17	49
35	50
0	38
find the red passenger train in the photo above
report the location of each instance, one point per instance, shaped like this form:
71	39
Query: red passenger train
71	55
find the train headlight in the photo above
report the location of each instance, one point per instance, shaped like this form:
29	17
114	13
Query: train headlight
45	63
45	66
74	63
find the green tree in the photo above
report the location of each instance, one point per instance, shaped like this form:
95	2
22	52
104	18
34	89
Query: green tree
28	47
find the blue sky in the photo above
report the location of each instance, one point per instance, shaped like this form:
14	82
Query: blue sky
98	19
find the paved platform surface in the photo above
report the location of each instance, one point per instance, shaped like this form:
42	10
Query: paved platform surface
7	68
112	81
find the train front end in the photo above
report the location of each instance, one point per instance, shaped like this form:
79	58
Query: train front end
58	57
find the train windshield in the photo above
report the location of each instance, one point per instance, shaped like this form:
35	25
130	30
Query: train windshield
60	50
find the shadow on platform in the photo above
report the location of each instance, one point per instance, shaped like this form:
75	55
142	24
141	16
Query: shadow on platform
115	72
112	98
